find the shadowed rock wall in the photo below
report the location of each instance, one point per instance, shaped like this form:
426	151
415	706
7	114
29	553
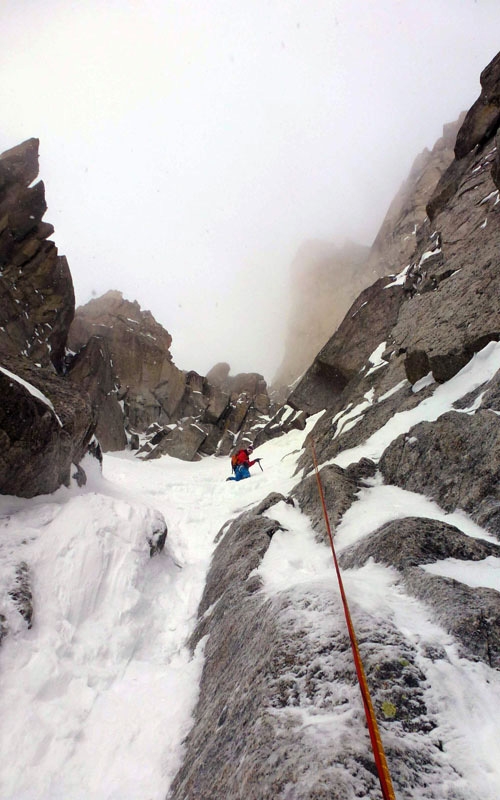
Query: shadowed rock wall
46	422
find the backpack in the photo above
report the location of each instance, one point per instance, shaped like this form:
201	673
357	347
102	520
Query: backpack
234	460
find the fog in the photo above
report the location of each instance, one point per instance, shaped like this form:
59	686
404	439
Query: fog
188	148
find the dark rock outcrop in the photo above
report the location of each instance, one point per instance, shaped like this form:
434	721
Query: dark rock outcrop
283	421
21	593
339	488
36	290
183	442
150	384
46	425
157	541
472	615
412	541
92	370
483	119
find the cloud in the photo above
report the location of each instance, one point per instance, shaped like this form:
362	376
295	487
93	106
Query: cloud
189	148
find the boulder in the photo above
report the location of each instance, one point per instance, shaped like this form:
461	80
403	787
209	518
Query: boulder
455	460
209	445
412	541
234	422
194	401
283	421
182	442
46	425
218	401
219	374
251	384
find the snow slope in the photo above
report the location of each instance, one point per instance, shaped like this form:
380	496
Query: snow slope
97	696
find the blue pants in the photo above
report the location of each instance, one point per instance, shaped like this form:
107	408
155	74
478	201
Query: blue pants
240	472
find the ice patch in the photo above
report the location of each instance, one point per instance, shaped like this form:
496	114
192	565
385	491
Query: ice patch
484	573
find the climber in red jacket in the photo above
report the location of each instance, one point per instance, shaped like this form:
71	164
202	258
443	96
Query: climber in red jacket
241	464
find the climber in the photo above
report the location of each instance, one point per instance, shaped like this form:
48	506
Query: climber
241	464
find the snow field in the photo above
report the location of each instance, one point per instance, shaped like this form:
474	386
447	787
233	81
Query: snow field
97	697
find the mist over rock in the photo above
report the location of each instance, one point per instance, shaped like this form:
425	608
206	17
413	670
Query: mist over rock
219	373
327	279
367	323
395	242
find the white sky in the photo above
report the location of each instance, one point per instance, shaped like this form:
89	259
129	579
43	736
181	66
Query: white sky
189	147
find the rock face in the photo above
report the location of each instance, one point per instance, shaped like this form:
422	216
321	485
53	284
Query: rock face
396	410
442	311
367	323
453	278
150	384
483	119
46	422
36	290
92	370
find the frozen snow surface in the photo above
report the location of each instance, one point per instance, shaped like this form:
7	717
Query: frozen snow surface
97	696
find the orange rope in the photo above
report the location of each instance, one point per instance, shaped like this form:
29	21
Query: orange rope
371	721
